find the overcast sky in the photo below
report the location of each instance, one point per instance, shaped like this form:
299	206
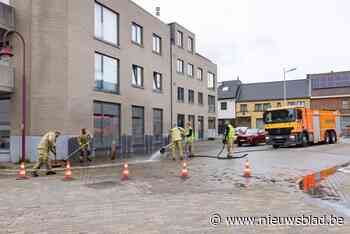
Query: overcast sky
255	39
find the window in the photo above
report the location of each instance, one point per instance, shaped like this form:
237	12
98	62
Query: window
211	80
106	24
137	34
266	106
190	70
259	107
106	124
181	121
211	103
297	103
158	125
211	123
157	44
179	39
223	105
106	73
180	66
137	75
180	94
199	73
243	108
345	104
190	44
330	81
200	99
190	96
157	82
138	125
192	120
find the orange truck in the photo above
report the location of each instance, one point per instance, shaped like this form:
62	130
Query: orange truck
286	126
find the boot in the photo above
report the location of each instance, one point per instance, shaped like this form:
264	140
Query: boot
34	174
50	173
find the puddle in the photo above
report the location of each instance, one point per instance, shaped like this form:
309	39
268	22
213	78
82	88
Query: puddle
103	185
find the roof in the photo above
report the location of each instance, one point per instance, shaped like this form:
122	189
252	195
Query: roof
228	89
274	90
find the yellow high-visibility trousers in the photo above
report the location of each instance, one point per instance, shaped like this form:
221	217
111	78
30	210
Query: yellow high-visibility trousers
230	146
177	144
43	159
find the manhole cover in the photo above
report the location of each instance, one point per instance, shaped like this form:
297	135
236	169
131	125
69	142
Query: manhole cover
102	185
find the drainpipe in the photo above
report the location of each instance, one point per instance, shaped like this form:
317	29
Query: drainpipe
171	82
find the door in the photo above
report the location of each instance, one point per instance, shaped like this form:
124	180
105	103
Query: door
316	126
200	127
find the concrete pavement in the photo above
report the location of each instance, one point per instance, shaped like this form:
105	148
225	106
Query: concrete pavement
157	200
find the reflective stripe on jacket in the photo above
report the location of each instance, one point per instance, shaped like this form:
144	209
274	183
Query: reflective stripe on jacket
175	134
231	132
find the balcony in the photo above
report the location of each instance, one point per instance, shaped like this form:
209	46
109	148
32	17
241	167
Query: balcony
7	76
7	17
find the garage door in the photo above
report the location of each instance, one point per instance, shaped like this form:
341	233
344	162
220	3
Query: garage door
345	121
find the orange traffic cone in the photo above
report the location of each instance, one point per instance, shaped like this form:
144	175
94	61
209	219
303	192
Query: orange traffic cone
247	170
184	171
125	171
68	172
22	172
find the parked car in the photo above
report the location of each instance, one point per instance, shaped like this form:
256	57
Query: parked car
240	130
251	137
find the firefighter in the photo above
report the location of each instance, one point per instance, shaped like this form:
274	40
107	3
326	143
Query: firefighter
84	144
47	144
176	141
189	139
229	139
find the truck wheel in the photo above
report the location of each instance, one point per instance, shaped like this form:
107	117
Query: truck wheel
304	140
275	146
333	137
328	138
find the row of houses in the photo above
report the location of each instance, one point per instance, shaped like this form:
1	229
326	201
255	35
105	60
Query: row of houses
108	66
244	104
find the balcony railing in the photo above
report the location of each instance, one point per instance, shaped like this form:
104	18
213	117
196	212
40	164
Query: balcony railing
7	17
6	79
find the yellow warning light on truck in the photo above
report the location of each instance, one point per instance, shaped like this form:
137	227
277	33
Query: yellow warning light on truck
286	126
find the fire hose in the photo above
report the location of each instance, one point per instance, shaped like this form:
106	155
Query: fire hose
217	156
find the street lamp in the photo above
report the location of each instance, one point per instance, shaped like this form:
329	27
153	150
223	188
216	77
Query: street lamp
285	83
6	53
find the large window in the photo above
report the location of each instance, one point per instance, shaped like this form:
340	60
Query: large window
200	99
211	80
138	125
106	24
181	120
211	103
190	96
106	124
157	44
345	104
157	125
190	44
106	73
179	39
4	125
190	69
180	94
157	82
137	34
199	73
137	76
243	108
180	66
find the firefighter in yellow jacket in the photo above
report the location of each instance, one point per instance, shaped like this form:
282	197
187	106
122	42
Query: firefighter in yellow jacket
47	144
229	139
176	141
84	144
189	139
